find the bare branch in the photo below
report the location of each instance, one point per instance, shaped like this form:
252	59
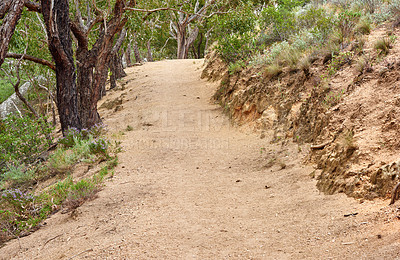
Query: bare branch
79	15
8	26
35	7
4	6
16	85
119	42
150	11
80	34
31	58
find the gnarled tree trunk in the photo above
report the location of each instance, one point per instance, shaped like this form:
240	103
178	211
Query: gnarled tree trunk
93	64
56	17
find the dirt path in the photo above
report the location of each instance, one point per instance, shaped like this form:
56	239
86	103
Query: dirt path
190	186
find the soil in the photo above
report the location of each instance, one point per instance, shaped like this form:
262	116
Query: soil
189	185
354	114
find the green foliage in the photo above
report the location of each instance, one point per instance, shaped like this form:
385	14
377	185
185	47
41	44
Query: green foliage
6	90
383	45
346	22
280	19
21	211
99	146
235	67
18	209
80	192
22	140
235	33
317	21
338	61
18	174
273	70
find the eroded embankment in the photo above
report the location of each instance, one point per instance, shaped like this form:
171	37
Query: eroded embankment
351	119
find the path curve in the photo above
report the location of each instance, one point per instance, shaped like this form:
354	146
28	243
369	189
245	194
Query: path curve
191	186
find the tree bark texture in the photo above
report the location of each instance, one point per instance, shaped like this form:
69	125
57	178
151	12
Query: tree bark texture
56	17
93	64
11	11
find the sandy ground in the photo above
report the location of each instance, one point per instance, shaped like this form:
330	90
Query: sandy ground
191	186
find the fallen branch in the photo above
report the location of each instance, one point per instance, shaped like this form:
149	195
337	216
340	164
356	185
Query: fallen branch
321	146
87	250
51	240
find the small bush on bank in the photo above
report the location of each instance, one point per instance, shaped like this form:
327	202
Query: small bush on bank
22	140
235	67
383	46
21	211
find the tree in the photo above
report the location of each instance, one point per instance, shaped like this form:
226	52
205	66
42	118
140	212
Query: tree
184	19
182	28
11	12
82	36
56	17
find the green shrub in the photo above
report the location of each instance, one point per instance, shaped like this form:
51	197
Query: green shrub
346	22
318	21
235	33
99	146
80	192
235	67
383	45
338	61
17	174
363	27
272	70
6	90
279	19
18	210
22	140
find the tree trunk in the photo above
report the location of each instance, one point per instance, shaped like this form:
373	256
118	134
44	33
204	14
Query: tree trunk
93	64
194	52
117	70
56	17
181	39
199	47
136	51
116	66
185	42
149	54
128	54
7	28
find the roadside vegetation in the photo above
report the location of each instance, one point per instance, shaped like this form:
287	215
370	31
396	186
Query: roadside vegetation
274	37
290	35
29	157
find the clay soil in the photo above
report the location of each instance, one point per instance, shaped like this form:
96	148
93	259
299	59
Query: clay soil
189	185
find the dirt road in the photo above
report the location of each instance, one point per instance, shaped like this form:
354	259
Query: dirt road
191	186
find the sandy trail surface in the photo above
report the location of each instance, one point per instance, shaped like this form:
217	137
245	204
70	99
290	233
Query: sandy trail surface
191	186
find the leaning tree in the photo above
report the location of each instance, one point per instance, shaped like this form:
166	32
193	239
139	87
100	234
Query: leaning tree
82	36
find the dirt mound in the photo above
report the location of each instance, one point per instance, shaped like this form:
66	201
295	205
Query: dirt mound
352	120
